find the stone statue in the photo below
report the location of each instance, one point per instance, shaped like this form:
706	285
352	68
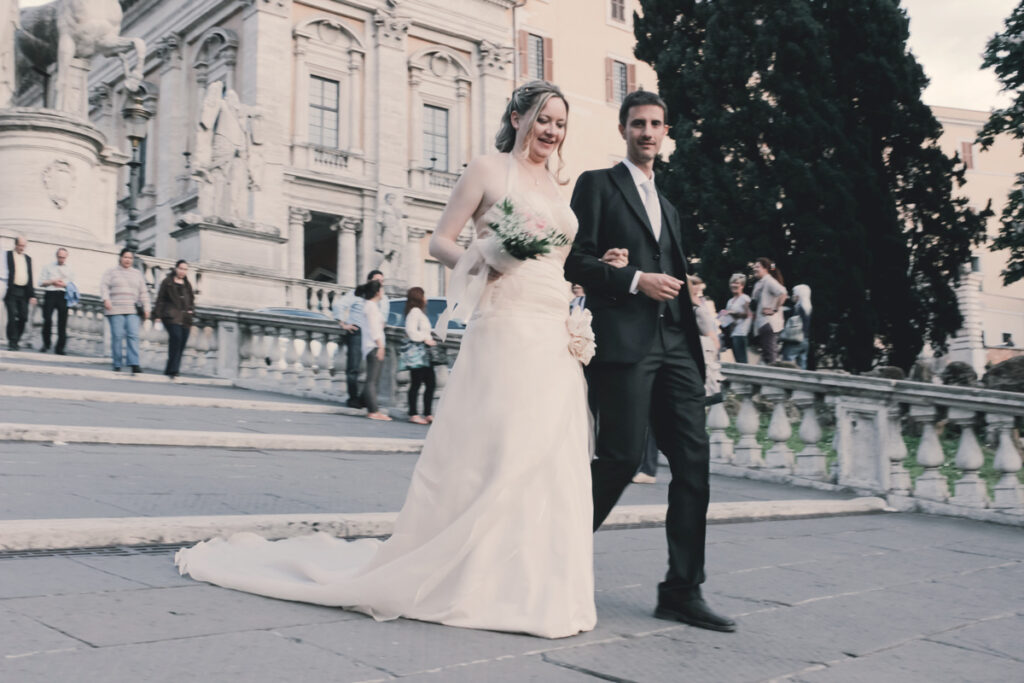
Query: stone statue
227	163
8	30
63	30
391	237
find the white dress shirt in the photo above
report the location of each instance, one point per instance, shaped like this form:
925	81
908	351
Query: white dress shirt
649	196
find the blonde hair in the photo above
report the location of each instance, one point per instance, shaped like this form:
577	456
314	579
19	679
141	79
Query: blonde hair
527	101
738	277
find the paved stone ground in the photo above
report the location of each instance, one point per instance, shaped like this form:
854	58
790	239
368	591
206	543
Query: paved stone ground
890	597
894	597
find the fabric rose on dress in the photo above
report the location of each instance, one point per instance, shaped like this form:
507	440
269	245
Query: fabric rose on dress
581	335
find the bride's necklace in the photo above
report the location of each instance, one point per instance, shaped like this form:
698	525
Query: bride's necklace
530	172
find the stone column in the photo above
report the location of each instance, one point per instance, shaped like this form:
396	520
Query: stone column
416	159
348	228
391	154
300	106
355	104
462	119
297	219
266	52
172	121
71	94
414	256
495	83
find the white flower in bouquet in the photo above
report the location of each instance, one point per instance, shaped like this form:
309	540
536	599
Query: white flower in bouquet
521	234
581	335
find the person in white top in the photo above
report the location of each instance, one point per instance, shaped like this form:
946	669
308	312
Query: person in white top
421	372
54	280
769	295
384	304
373	349
737	317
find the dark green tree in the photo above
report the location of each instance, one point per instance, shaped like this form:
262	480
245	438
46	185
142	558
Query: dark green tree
1005	53
801	136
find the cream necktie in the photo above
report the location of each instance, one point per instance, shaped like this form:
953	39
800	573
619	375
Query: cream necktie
653	206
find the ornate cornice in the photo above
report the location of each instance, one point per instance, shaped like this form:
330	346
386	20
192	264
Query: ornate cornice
494	58
391	28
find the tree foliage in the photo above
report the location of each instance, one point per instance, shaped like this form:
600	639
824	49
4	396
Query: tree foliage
1005	53
800	135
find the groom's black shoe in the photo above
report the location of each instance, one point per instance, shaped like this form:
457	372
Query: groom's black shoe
692	610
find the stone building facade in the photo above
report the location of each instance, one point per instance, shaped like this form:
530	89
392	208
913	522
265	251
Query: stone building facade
313	140
307	140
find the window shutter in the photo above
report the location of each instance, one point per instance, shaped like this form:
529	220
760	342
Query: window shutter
609	86
630	78
523	46
967	154
549	62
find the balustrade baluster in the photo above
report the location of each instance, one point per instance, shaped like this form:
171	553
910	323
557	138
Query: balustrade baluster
275	372
339	382
212	348
307	373
1007	494
810	461
202	349
147	334
969	490
779	429
748	421
191	355
720	443
323	364
258	353
246	351
896	452
932	483
292	358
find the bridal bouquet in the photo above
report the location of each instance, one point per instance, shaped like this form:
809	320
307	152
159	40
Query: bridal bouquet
521	234
581	335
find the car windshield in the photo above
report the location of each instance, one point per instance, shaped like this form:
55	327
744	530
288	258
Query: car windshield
435	307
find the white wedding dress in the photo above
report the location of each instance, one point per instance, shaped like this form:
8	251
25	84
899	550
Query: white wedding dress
496	529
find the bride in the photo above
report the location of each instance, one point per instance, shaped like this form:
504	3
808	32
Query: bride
495	532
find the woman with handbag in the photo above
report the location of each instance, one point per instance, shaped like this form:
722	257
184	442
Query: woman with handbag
795	333
175	304
414	356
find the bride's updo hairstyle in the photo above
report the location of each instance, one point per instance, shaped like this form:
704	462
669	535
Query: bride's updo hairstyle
527	100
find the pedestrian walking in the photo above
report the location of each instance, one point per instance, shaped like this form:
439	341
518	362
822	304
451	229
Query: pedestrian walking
796	332
373	348
55	279
125	300
349	311
414	356
768	296
737	315
20	291
175	306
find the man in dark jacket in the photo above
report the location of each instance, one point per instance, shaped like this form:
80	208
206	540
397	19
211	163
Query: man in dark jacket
649	367
20	290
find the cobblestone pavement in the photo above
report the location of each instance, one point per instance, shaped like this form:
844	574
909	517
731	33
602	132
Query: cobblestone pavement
884	597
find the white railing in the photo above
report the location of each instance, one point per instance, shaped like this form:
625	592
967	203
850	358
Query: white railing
945	449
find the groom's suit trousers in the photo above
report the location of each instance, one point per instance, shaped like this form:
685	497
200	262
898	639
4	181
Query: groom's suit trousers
665	385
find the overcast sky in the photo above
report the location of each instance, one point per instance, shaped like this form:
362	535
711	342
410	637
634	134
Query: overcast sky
948	37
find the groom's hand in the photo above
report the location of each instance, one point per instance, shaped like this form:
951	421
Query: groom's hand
659	286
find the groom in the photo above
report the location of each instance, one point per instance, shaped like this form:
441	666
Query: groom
649	368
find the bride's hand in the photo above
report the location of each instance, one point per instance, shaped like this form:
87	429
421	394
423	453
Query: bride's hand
617	258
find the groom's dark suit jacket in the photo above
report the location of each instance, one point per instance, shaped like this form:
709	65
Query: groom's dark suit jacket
612	215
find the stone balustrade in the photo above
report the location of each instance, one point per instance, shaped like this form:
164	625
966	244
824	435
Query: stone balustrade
905	440
871	421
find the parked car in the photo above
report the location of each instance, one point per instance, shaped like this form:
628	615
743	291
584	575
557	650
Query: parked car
435	307
297	312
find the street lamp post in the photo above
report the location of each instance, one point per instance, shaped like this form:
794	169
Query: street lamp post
135	115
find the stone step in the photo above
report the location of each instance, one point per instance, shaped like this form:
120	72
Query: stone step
43	393
51	534
125	374
39	357
204	439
